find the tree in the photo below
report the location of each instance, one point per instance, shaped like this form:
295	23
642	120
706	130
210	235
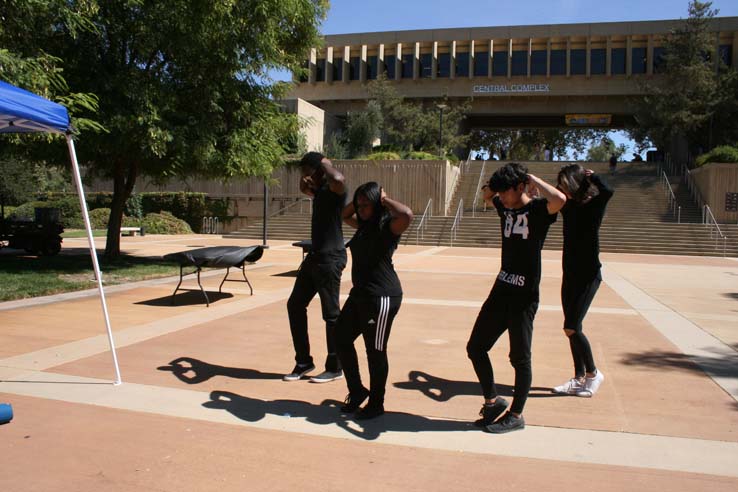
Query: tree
529	143
362	128
695	95
183	86
602	150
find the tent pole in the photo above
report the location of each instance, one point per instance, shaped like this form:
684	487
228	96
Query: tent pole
93	253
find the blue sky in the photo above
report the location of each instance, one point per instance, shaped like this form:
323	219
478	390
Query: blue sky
352	16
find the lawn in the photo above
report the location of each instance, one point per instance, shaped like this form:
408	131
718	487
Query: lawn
83	233
31	276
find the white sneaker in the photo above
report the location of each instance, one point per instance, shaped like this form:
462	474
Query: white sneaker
571	387
591	385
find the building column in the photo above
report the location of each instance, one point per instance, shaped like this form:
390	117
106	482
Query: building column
362	65
313	65
530	54
434	61
346	64
473	56
548	58
452	62
329	65
398	61
380	60
649	55
490	58
416	62
628	56
608	57
588	54
509	57
568	57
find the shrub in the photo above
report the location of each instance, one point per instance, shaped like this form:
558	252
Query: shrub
724	153
25	211
189	207
383	156
159	223
423	156
99	218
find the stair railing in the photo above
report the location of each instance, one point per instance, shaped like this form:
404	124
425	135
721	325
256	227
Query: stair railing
420	230
673	206
714	228
465	166
299	202
457	220
479	186
694	191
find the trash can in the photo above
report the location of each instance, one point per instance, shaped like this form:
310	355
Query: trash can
47	215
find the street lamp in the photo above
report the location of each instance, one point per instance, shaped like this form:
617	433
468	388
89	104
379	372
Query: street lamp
440	107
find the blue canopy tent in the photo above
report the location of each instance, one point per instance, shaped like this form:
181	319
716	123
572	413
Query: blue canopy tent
24	112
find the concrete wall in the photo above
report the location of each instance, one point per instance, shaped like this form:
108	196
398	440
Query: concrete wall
312	119
714	180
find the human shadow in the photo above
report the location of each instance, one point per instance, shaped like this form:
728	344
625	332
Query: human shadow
194	371
328	413
188	298
440	389
731	295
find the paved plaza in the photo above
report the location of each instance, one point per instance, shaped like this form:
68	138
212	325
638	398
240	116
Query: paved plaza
203	407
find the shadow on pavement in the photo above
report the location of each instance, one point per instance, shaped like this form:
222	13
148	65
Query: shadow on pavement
190	297
194	371
726	367
440	389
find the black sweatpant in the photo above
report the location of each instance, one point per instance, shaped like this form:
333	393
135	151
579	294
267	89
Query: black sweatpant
372	318
319	274
500	313
576	297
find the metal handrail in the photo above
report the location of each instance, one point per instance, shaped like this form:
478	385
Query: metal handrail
457	220
694	191
713	225
420	230
476	193
300	202
467	164
671	197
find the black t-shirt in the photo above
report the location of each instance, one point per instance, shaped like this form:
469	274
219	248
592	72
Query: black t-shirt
326	233
523	233
372	270
581	258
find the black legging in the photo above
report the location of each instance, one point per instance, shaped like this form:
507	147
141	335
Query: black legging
576	297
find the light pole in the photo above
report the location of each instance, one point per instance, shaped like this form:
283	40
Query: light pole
440	107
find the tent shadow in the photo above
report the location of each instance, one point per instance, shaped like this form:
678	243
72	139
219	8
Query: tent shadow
190	297
290	273
194	371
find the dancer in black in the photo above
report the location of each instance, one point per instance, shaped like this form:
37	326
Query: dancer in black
513	301
321	270
375	297
587	199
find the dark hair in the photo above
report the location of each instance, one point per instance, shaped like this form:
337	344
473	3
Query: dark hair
508	176
312	160
373	193
573	179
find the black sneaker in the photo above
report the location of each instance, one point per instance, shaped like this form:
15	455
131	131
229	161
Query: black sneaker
489	413
298	372
370	411
352	403
507	423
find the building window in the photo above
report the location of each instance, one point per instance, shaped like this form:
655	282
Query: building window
598	61
355	68
337	69
639	60
499	64
426	65
444	65
371	67
407	66
320	70
520	63
481	64
658	59
462	64
304	75
725	53
618	61
558	62
578	62
389	66
538	62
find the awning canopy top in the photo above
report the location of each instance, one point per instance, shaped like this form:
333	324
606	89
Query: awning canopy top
24	112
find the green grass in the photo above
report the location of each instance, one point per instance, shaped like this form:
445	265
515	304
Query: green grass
83	233
30	276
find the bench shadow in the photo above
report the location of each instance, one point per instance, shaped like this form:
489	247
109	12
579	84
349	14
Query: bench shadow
190	297
194	371
440	389
291	273
328	413
731	295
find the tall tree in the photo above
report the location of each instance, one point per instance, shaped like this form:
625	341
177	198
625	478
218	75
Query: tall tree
529	143
602	150
695	93
183	86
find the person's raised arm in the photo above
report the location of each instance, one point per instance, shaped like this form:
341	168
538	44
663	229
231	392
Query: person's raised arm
336	181
349	215
555	198
307	186
602	186
401	214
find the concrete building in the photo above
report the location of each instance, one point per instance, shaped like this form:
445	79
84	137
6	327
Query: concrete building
515	77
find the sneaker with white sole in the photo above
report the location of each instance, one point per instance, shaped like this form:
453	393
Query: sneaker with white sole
298	372
506	423
571	387
327	376
591	385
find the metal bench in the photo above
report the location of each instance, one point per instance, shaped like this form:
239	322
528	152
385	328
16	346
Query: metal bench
215	257
131	231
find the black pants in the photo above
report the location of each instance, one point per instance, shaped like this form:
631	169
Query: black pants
372	318
500	313
319	274
576	297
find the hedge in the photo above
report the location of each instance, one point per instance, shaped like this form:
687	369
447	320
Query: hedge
724	153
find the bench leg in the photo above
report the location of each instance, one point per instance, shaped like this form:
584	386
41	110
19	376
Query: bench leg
243	271
207	301
180	283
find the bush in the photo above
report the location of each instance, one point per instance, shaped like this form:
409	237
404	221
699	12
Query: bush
25	211
161	223
99	218
423	156
383	156
189	207
724	153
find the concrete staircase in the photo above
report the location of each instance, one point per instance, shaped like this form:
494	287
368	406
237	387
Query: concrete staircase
638	219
